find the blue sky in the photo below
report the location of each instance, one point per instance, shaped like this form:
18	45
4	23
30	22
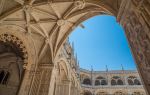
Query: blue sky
102	42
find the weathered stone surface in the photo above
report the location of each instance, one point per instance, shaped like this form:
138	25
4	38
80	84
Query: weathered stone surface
41	27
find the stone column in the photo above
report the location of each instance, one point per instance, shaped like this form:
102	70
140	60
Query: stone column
41	80
23	90
74	91
109	80
126	80
63	88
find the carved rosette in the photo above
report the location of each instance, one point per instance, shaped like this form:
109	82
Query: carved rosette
80	4
16	41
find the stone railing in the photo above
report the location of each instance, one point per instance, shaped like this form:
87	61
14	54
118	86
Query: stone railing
112	86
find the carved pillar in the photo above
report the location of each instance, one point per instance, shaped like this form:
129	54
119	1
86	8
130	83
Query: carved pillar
40	85
135	19
23	89
74	91
109	80
62	88
126	80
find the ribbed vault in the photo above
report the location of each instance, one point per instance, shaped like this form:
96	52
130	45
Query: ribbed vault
49	22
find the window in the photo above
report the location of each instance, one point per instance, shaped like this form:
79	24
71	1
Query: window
87	81
4	77
130	82
2	74
116	81
119	82
97	82
100	81
113	82
137	82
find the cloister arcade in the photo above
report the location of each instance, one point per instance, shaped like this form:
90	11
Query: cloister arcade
33	34
111	82
115	80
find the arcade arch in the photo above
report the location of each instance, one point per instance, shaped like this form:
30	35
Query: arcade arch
49	23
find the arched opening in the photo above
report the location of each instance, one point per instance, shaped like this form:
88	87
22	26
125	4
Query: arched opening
113	82
119	82
100	81
87	81
130	82
103	82
5	78
97	82
137	82
2	75
116	80
134	16
11	68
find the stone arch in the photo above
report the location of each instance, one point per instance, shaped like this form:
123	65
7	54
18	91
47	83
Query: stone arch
52	39
93	8
131	80
113	82
100	81
116	80
13	58
119	82
87	81
137	82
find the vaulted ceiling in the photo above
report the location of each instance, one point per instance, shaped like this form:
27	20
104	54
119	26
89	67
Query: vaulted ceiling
49	22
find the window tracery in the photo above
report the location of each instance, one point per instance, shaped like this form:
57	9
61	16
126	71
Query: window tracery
4	76
116	80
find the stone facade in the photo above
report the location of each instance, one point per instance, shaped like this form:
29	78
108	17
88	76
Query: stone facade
119	82
33	32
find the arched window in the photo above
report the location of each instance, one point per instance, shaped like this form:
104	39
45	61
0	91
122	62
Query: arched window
103	82
97	82
4	77
116	80
2	74
130	82
5	80
119	82
137	82
100	81
87	81
113	82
